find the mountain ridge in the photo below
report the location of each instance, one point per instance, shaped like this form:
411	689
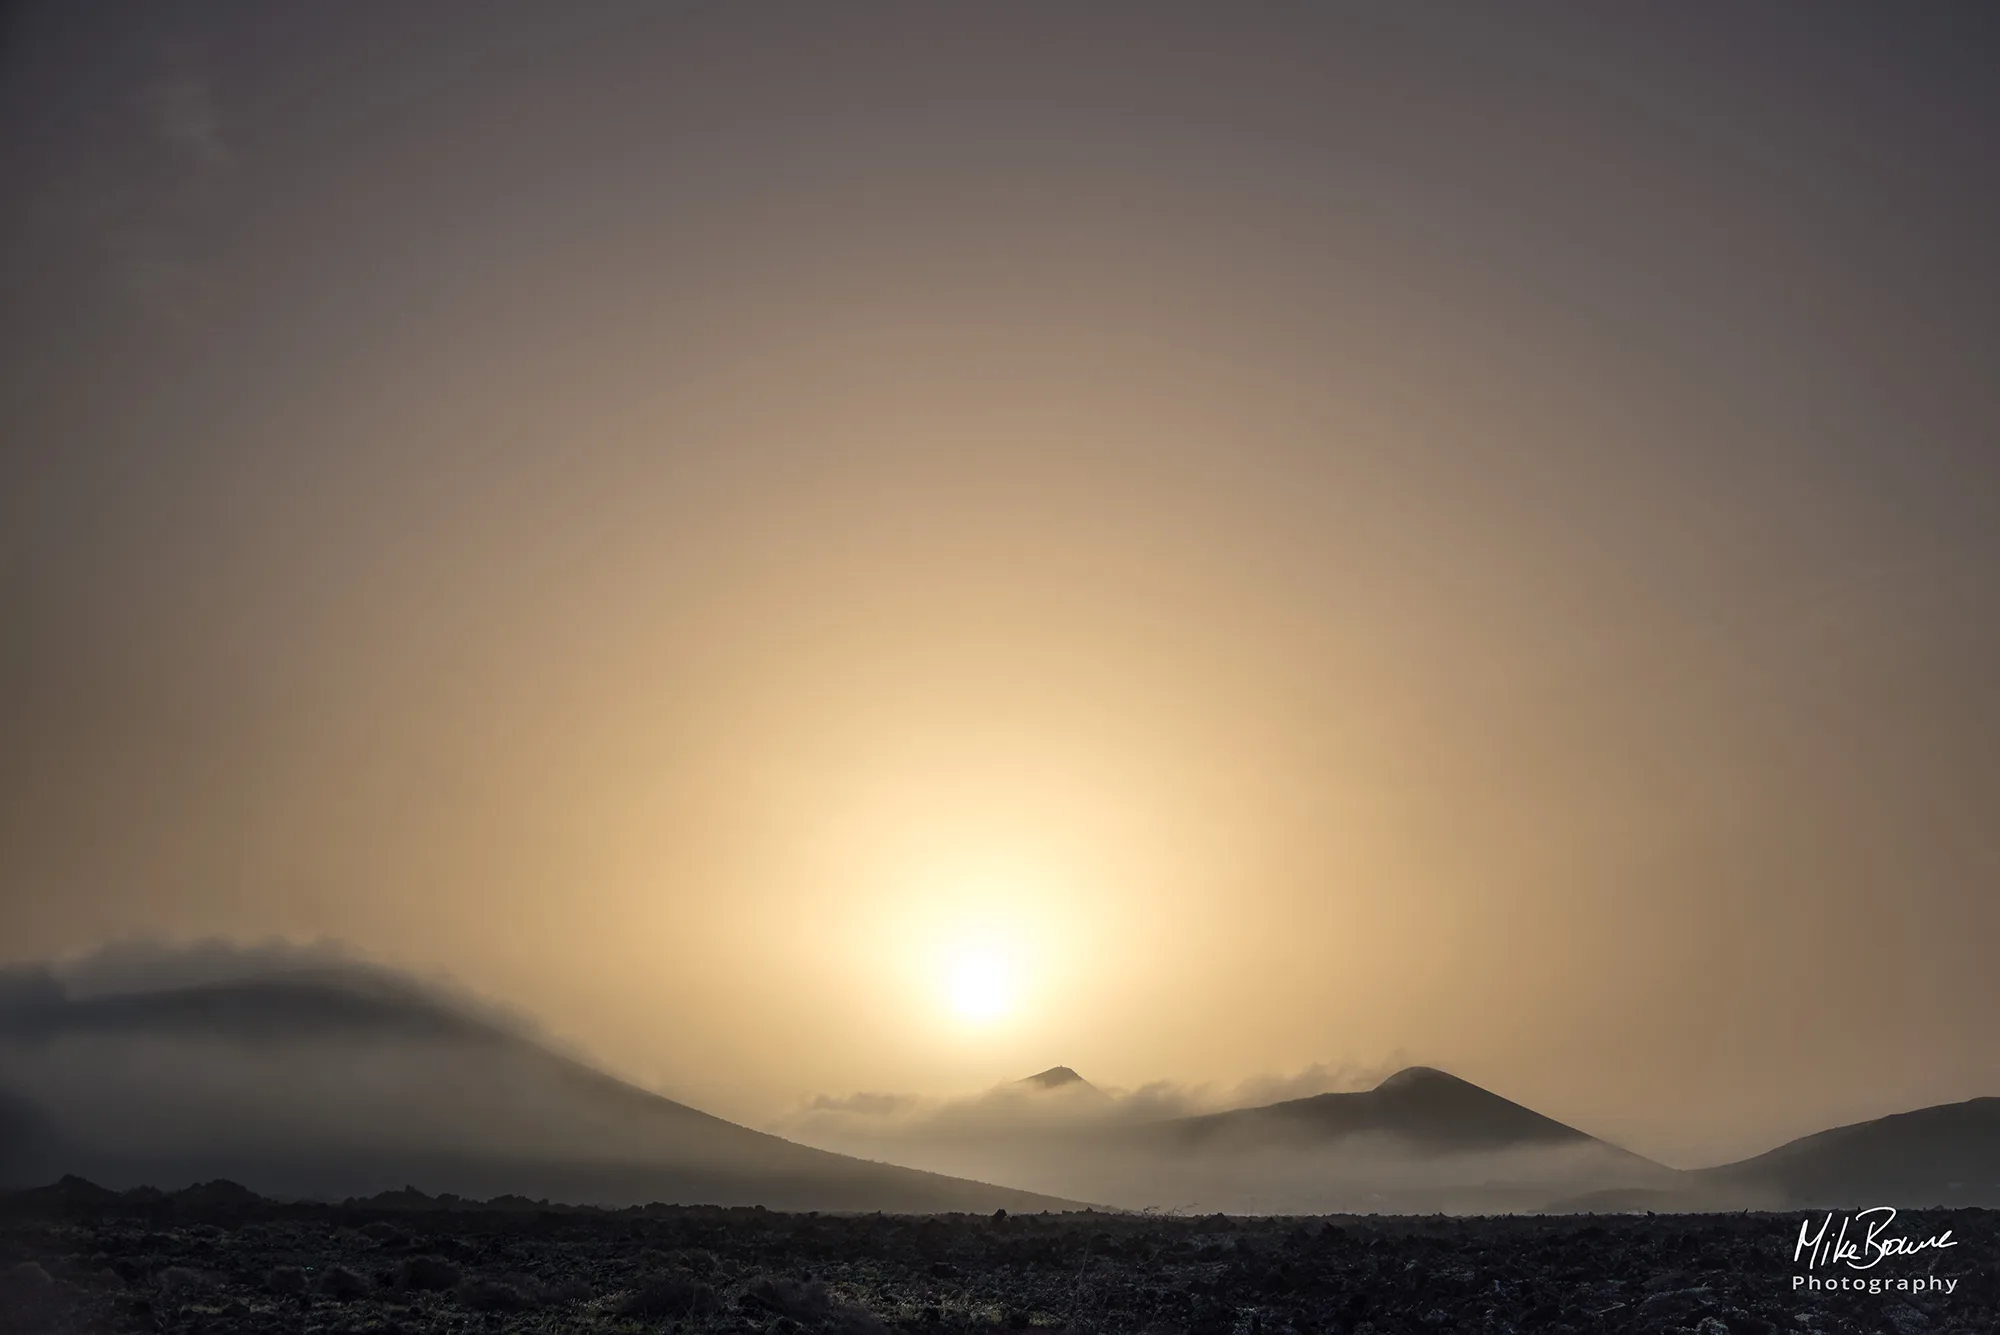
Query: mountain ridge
1943	1154
323	1085
326	1083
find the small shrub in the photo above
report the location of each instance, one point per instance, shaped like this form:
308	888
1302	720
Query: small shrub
427	1273
810	1304
27	1277
806	1302
338	1282
564	1291
180	1279
669	1296
492	1295
286	1279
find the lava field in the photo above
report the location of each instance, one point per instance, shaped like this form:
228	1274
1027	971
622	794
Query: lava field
218	1259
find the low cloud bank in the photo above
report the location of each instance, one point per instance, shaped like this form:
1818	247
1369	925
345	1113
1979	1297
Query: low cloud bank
137	967
310	1070
1158	1147
1027	1106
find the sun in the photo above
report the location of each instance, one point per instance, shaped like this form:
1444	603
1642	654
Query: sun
981	987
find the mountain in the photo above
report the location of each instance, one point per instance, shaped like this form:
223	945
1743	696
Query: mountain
348	1082
1061	1089
1420	1107
341	1081
1421	1140
1943	1155
1424	1139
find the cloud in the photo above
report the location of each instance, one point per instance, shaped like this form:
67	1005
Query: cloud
46	993
1014	1105
1319	1078
1096	1145
311	1071
307	1066
326	1073
867	1105
148	964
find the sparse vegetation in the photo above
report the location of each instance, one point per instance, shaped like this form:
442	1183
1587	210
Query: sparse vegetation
810	1303
341	1284
286	1279
494	1295
427	1274
175	1265
670	1296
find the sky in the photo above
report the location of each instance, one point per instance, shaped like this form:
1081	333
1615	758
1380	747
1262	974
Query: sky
881	548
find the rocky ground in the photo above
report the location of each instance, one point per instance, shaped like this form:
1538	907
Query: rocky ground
217	1259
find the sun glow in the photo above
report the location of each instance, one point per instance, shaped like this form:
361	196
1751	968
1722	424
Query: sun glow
973	950
981	986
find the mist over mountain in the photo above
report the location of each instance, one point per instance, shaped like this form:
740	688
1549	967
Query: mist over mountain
1428	1108
883	549
1418	1139
306	1074
1061	1094
1943	1155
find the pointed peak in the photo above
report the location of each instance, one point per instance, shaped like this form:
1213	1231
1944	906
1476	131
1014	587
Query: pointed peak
1054	1078
1420	1077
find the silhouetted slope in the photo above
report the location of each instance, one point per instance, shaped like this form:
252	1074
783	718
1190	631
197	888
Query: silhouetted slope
1426	1108
1948	1154
1421	1140
339	1084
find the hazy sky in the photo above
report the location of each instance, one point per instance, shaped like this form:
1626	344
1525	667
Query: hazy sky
1259	536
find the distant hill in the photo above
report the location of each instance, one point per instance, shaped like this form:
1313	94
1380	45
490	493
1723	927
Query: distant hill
1061	1086
1420	1106
1433	1140
1421	1140
1943	1155
347	1083
342	1082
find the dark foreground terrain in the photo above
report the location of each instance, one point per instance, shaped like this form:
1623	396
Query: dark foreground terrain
218	1259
